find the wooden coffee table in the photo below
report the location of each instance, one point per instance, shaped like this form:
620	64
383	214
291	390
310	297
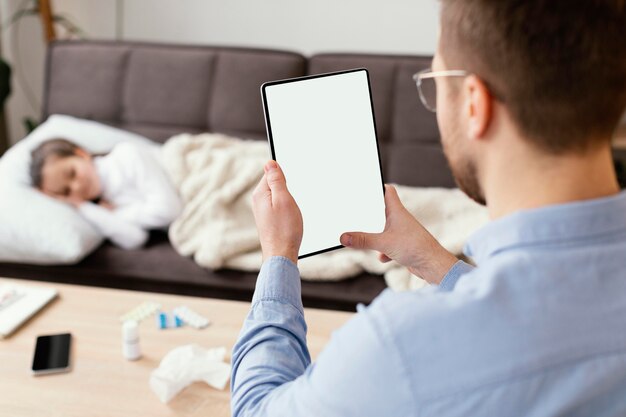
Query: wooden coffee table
102	382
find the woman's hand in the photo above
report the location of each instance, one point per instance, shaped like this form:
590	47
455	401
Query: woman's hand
105	204
405	241
277	216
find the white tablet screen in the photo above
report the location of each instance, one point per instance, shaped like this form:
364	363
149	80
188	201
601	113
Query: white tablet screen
322	133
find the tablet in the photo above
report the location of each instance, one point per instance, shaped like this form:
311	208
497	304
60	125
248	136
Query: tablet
322	132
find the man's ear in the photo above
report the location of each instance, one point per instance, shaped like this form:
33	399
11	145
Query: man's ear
479	106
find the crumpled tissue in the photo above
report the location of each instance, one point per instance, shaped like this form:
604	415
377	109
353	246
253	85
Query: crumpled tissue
187	364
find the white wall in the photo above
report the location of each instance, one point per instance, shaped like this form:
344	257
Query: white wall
400	26
396	26
24	48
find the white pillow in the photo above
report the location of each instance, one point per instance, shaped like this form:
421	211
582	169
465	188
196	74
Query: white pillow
35	228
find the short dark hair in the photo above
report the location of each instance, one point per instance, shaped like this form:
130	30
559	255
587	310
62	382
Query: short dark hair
558	65
53	148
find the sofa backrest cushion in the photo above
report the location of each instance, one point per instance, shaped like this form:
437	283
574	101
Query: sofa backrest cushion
161	90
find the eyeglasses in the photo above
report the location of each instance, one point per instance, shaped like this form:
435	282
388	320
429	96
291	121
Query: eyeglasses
427	88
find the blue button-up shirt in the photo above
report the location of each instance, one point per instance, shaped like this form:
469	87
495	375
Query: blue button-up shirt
537	329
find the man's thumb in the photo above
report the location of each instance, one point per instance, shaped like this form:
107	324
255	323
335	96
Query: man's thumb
360	240
391	197
275	177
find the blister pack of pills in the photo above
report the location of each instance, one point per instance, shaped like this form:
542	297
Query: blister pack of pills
191	318
142	311
167	320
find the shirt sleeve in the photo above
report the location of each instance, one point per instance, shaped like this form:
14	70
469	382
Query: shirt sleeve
160	204
121	232
450	279
272	371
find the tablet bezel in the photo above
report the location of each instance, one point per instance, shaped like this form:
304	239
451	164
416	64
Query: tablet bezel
268	127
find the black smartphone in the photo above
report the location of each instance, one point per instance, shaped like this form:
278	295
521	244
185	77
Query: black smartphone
52	354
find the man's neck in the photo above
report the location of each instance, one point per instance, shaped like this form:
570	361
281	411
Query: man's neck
529	179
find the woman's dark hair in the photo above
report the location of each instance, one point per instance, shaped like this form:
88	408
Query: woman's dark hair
54	148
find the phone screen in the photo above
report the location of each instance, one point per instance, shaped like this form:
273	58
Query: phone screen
52	353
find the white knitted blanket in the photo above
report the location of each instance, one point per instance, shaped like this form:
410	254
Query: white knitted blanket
215	175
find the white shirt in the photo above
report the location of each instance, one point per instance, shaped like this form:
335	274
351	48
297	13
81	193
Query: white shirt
134	182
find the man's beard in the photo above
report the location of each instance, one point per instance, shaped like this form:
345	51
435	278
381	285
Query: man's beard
466	177
464	172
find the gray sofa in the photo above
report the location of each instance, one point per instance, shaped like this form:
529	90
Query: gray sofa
160	90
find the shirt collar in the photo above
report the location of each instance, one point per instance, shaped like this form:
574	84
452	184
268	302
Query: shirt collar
551	224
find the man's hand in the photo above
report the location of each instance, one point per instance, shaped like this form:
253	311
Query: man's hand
405	241
278	218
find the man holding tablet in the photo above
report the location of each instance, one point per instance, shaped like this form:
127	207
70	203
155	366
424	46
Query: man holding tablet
528	94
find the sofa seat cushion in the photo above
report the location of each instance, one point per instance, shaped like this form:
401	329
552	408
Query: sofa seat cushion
158	268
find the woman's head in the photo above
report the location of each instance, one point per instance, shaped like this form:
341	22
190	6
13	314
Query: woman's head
64	170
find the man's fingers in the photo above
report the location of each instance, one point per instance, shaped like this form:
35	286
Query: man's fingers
360	240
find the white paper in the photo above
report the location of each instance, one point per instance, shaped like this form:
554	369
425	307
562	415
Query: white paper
325	141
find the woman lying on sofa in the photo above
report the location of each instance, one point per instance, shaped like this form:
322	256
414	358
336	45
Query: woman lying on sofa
123	194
